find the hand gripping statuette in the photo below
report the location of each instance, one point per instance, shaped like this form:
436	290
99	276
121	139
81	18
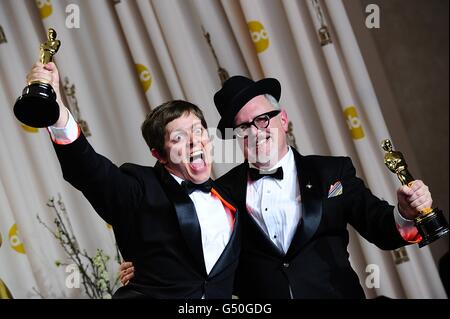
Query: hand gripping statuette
430	222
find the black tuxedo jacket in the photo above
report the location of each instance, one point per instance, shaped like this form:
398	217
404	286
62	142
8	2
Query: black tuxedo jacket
155	224
316	264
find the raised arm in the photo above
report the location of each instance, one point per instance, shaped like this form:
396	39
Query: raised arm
112	191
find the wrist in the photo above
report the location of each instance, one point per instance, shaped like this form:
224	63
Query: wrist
63	116
404	213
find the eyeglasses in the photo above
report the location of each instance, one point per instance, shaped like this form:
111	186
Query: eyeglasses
260	122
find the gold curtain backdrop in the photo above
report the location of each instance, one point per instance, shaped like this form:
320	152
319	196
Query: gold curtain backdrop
120	58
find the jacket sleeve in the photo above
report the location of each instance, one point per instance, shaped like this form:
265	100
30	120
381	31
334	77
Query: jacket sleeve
372	217
112	191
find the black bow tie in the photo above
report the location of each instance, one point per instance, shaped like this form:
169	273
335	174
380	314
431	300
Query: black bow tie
256	174
190	187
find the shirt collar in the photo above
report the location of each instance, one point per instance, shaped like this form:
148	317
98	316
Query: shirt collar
178	179
285	161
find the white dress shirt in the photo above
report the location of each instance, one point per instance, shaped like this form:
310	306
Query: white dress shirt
275	204
215	222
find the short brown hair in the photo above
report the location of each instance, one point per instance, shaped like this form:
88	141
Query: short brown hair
154	127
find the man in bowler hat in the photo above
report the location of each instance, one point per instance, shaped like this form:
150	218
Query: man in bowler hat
296	208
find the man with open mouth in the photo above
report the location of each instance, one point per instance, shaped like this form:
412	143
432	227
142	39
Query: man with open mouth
176	226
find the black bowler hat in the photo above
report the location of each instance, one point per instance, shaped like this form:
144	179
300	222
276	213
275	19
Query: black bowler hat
236	92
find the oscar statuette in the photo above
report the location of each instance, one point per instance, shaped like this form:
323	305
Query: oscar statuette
37	106
430	222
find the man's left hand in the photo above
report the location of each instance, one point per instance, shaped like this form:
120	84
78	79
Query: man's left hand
412	200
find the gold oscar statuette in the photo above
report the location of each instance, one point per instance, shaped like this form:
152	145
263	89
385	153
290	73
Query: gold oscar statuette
430	222
37	106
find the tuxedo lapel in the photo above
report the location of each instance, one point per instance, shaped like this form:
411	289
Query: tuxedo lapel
310	192
186	214
240	187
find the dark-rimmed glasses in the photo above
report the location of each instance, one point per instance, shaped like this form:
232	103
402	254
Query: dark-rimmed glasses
260	122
